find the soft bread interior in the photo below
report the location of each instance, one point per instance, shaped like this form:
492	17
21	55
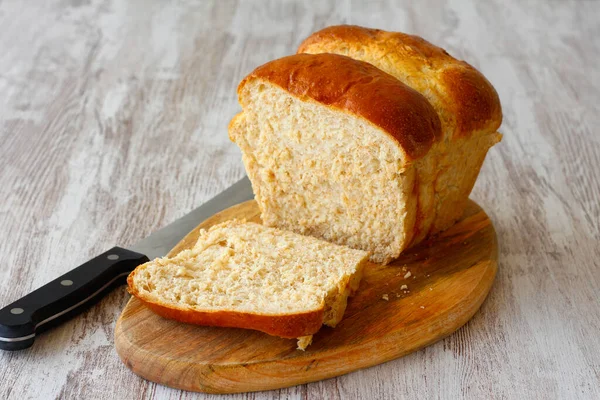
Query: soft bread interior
319	171
251	269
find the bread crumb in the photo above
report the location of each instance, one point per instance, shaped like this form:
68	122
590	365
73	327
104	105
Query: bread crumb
403	287
407	275
404	268
385	297
430	288
398	295
423	307
304	342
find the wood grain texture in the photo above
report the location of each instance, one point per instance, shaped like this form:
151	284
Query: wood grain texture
113	120
445	281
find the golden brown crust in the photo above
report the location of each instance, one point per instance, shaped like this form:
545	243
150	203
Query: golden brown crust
476	103
467	96
286	326
359	88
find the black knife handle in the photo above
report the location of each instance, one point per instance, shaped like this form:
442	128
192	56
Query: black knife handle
64	297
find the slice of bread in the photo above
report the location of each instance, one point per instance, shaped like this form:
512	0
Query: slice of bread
246	275
466	102
338	149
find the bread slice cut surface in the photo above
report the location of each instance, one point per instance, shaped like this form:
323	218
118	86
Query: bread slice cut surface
246	275
332	147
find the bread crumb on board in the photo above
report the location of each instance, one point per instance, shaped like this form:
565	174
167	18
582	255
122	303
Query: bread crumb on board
304	342
423	307
385	297
403	287
407	275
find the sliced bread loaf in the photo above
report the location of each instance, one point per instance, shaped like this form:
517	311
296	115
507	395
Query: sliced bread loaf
338	149
250	276
466	102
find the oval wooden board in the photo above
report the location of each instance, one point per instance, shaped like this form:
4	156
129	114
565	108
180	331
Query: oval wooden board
450	277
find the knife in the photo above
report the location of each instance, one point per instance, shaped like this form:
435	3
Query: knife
81	287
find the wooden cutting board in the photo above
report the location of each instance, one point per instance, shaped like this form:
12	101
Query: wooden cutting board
450	277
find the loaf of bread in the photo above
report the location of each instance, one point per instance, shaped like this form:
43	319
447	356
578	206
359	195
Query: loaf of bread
250	276
465	101
338	149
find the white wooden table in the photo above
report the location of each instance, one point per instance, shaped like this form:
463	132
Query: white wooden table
113	119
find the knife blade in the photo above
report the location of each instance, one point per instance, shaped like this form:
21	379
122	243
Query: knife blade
75	291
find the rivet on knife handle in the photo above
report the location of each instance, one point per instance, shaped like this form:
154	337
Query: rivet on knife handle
64	297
